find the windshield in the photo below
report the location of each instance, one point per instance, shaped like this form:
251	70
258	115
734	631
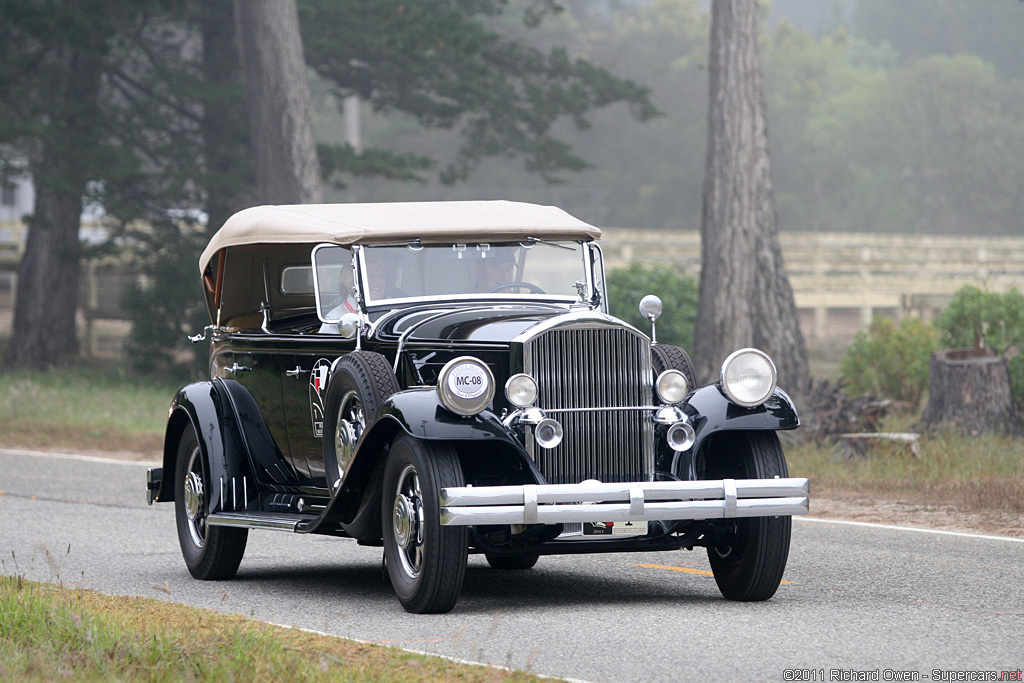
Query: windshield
541	269
532	269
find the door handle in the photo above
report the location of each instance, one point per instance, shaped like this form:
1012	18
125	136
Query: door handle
296	372
236	368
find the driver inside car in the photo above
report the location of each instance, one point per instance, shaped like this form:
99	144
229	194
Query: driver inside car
496	270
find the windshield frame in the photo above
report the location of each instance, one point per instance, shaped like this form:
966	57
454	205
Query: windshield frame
581	247
587	251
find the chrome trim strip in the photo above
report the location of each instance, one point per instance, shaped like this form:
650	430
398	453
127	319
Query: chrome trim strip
619	502
603	409
581	319
587	492
620	512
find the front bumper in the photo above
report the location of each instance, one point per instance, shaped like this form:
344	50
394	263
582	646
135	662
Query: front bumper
593	501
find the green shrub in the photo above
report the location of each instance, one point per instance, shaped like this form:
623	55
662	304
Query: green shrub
988	320
890	360
678	293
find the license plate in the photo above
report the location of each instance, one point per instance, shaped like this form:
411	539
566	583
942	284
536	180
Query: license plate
615	528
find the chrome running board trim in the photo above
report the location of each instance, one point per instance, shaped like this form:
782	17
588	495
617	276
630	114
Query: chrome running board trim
258	520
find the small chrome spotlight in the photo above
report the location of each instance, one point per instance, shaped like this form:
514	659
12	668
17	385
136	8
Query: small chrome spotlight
548	433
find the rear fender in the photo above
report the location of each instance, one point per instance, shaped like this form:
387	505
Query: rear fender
209	409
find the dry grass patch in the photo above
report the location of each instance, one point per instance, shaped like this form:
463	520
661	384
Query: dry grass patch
83	407
958	480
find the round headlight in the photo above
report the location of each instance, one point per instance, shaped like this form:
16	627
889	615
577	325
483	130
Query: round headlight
521	390
672	386
748	377
465	385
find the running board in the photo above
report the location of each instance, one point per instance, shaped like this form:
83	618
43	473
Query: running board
259	520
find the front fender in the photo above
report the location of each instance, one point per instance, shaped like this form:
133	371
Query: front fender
419	413
208	408
710	411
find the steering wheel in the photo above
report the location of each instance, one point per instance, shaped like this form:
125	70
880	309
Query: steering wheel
530	287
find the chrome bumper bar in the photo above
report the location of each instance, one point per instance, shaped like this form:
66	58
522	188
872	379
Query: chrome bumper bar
597	502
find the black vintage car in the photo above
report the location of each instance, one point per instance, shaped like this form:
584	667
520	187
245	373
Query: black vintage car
443	378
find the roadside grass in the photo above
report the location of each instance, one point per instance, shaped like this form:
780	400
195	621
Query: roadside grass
974	473
95	407
50	632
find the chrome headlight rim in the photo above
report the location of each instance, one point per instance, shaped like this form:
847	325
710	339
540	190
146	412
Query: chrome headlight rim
475	396
729	384
518	382
669	384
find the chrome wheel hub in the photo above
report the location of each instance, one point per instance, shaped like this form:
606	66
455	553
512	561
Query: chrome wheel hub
403	520
193	495
407	522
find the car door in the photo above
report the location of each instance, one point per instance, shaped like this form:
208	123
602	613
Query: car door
254	361
305	395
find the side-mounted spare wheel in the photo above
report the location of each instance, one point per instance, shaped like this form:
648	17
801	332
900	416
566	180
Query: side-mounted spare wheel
426	562
210	552
667	357
748	555
361	382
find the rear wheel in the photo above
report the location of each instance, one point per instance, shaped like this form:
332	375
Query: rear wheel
426	562
749	555
210	552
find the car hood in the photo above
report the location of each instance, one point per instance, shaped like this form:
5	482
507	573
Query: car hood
469	324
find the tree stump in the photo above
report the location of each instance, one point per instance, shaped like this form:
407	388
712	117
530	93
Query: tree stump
969	389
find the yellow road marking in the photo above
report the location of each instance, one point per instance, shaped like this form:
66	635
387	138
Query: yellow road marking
687	570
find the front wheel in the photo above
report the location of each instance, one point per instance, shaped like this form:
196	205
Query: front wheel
749	555
426	562
211	552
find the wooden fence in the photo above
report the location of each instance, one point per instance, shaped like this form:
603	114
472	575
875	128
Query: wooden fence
840	281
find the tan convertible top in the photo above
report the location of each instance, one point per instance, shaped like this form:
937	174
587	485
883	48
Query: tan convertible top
395	222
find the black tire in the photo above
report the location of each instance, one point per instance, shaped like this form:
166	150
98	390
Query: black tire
749	558
211	553
426	562
666	357
361	382
511	561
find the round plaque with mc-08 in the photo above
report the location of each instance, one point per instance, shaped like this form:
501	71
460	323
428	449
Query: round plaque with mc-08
467	380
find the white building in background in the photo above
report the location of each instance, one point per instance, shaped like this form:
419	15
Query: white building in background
17	198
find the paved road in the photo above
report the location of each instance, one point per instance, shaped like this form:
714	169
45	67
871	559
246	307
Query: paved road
859	598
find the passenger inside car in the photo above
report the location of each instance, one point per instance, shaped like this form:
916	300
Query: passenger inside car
344	307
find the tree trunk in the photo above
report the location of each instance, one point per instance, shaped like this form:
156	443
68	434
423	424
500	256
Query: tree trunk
43	331
225	135
969	389
280	109
745	296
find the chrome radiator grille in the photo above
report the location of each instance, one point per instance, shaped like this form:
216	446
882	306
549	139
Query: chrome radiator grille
593	367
